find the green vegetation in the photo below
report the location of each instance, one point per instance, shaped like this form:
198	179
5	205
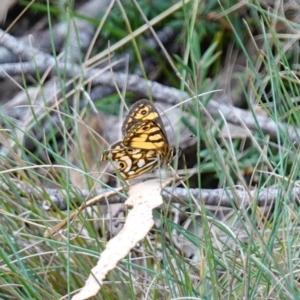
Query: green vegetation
249	50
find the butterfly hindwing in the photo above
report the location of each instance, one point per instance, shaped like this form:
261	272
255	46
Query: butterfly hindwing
131	162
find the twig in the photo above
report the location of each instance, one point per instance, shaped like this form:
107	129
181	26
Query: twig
137	85
95	200
227	197
46	39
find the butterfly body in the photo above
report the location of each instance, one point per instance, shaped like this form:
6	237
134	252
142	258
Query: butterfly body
145	145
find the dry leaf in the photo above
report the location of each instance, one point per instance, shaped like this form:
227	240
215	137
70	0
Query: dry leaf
144	197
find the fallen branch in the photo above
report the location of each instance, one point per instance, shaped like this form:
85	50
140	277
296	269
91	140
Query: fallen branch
135	84
227	197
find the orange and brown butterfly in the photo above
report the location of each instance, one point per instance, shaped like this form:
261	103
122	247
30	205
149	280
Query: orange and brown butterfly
145	145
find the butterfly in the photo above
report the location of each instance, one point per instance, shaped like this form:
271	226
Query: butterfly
145	145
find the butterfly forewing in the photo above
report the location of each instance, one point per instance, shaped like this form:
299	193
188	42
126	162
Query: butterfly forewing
145	145
141	111
146	135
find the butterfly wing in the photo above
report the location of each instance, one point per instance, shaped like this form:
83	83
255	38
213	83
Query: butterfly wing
131	162
142	110
145	145
146	135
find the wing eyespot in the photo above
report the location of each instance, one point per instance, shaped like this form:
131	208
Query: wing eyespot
122	165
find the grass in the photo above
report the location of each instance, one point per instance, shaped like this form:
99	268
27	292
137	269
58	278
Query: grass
245	256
